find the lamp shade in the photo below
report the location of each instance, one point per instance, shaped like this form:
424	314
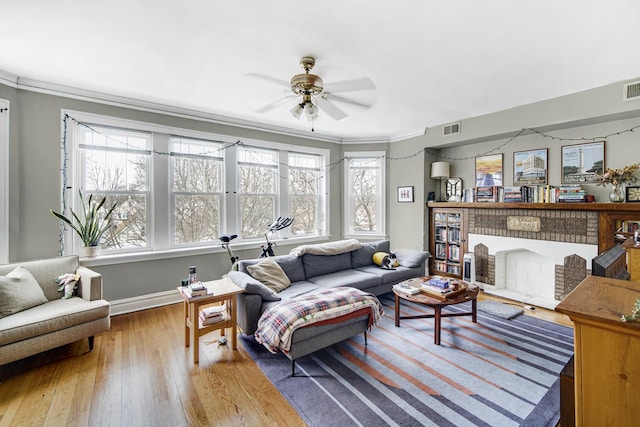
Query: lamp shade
439	170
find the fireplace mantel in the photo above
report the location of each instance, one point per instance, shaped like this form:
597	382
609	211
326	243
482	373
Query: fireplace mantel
608	214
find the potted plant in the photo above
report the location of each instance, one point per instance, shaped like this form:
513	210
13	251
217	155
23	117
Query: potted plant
92	225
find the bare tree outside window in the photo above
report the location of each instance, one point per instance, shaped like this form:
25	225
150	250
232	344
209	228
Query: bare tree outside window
257	190
364	200
304	193
197	190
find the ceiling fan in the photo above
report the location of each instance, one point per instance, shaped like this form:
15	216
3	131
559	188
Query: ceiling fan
314	97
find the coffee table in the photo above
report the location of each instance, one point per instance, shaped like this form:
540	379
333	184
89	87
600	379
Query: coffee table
218	291
471	294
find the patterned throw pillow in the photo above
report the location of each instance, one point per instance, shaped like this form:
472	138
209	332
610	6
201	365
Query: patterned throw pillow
19	291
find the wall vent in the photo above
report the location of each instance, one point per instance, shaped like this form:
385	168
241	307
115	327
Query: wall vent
631	91
452	129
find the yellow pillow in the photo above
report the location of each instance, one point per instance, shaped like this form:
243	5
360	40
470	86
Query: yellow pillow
269	272
385	260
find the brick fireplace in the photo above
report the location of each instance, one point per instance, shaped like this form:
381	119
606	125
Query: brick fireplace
535	256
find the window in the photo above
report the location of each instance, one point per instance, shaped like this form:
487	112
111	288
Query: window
115	163
197	190
257	189
178	188
364	194
305	193
4	180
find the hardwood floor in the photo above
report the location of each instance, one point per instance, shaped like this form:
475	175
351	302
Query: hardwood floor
140	374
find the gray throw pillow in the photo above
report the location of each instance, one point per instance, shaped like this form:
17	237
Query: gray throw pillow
252	286
19	291
411	258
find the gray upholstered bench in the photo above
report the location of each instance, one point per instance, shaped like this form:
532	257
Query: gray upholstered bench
308	323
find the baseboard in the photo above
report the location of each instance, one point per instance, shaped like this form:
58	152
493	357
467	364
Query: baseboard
143	302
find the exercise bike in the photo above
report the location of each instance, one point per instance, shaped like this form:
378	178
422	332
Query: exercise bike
278	224
226	239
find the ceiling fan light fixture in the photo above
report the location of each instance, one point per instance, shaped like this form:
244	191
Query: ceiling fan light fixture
296	111
311	110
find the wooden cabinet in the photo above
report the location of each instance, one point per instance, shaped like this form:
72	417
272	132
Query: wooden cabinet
448	241
607	351
633	259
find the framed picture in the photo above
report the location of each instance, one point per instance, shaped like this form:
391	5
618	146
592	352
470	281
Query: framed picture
489	170
633	194
530	167
582	163
405	194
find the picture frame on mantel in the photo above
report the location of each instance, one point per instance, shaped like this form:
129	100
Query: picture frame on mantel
530	167
405	194
582	163
633	194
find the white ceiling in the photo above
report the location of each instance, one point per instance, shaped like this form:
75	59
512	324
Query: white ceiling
433	62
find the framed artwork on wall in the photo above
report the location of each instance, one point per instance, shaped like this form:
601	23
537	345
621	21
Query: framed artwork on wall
489	170
582	163
633	194
405	194
530	167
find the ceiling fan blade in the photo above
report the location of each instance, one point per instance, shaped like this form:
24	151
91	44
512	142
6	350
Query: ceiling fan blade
338	98
275	104
363	83
328	107
271	79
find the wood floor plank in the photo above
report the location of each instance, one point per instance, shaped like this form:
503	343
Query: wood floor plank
140	373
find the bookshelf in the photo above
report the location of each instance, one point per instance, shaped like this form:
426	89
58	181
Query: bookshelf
448	242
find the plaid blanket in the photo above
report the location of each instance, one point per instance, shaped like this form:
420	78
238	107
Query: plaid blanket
277	324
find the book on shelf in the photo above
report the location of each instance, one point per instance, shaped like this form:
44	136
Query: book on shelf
220	317
406	288
214	310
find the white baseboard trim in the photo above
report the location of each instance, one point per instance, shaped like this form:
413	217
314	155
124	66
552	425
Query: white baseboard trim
143	302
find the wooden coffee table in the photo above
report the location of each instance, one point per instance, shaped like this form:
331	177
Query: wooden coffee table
471	294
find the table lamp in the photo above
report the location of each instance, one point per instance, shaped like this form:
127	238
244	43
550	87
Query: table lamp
440	170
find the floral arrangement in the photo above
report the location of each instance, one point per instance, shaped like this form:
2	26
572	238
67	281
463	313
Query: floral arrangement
619	176
67	284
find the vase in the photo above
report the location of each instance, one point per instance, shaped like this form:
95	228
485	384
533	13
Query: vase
89	251
617	193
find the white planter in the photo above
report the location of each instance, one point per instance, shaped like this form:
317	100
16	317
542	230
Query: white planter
89	251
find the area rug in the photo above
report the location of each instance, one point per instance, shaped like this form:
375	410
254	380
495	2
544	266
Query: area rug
494	373
499	309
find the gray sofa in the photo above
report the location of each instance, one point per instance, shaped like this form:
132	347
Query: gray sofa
309	272
55	321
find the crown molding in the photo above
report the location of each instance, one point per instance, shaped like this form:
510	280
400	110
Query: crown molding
8	79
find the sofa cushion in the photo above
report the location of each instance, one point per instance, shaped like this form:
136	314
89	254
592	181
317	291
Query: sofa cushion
290	264
53	316
317	265
364	255
252	286
19	291
411	257
353	278
391	277
269	272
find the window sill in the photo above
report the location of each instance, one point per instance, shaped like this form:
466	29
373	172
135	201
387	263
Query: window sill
150	255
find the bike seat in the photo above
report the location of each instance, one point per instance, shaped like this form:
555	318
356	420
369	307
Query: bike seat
226	238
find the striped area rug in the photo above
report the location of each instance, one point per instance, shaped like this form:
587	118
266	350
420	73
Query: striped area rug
494	373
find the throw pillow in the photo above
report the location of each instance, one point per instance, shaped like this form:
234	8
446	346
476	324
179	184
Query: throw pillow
411	258
252	286
19	291
387	261
269	272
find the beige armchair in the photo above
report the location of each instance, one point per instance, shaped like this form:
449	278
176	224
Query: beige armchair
58	321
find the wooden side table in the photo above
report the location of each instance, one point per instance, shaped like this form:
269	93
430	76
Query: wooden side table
219	291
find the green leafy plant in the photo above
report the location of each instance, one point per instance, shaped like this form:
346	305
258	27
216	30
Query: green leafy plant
92	225
635	313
